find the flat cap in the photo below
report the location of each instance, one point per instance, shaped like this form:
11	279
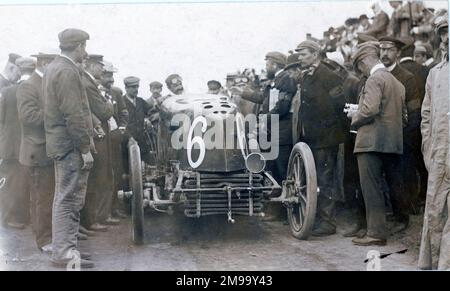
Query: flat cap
94	58
173	78
108	67
233	75
389	41
26	63
292	61
308	44
277	57
214	84
12	57
364	37
370	48
156	84
72	36
131	81
420	49
44	56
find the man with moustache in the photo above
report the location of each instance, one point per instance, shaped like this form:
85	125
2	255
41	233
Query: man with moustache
320	117
175	84
117	125
100	188
390	49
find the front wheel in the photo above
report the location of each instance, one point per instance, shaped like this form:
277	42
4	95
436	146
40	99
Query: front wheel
137	200
301	187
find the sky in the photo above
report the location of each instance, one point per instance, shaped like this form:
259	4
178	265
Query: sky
199	41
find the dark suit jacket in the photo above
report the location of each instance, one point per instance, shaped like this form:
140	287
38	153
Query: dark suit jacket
287	88
31	115
120	107
321	109
409	82
10	132
420	74
379	116
136	116
67	117
100	107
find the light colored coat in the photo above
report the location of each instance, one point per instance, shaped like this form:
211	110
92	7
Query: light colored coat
435	244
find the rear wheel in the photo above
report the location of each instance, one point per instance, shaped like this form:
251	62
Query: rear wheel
301	191
137	200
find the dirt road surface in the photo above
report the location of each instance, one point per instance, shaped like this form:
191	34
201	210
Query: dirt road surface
179	243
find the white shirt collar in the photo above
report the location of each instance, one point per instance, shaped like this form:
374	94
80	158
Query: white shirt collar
428	62
391	67
376	68
277	73
39	73
72	61
133	101
406	59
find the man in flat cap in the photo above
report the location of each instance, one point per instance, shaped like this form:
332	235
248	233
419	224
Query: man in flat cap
15	194
379	143
117	125
138	110
214	87
320	118
390	49
435	127
155	90
33	155
11	73
275	100
423	55
101	172
175	84
69	137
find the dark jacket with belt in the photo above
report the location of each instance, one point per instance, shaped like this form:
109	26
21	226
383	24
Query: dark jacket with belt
379	117
321	108
136	116
31	115
10	132
285	87
67	118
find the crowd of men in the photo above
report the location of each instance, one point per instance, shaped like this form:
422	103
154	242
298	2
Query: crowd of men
375	91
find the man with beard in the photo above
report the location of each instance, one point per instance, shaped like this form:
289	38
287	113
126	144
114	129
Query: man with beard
99	190
40	168
117	125
15	193
69	136
389	53
435	127
175	84
275	101
320	117
11	73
